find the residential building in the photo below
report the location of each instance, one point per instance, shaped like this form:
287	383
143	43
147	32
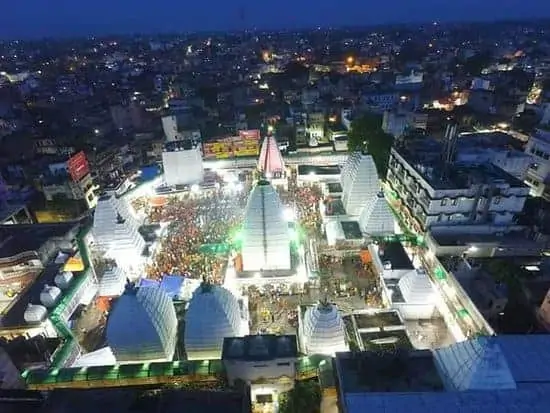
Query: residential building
70	179
445	196
538	175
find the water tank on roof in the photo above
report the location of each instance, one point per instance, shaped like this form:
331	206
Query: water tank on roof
50	295
35	314
63	279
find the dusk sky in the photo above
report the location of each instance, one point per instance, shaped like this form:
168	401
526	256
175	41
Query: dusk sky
37	18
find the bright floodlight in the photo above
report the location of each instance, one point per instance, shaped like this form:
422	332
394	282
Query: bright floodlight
268	175
312	173
195	188
289	214
270	128
239	186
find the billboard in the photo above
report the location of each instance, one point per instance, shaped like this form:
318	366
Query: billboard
246	144
78	166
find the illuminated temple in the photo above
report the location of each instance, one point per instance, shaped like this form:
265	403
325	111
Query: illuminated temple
270	162
266	237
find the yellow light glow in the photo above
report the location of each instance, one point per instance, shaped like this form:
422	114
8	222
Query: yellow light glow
350	60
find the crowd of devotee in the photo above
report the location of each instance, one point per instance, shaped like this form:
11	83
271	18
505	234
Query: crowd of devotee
192	222
305	199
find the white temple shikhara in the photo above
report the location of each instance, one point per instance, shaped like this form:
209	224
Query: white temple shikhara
270	162
363	198
266	237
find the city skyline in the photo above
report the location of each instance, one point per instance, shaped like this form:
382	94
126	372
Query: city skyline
61	18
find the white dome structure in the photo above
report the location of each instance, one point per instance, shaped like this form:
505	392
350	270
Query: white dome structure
35	314
323	330
213	314
266	238
376	217
143	326
50	295
63	279
360	183
115	230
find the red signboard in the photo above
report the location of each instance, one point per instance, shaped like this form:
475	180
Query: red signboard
78	166
253	134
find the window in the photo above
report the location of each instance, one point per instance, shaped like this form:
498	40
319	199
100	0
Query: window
454	202
283	364
534	166
444	202
496	200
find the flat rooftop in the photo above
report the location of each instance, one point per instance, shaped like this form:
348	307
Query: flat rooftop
425	156
334	187
394	253
142	400
385	340
351	229
318	170
15	239
400	372
259	347
377	320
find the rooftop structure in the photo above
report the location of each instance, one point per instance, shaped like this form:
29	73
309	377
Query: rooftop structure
497	148
413	295
271	162
142	326
182	162
266	238
214	313
322	330
359	182
115	231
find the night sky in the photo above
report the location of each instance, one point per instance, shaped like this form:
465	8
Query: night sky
37	18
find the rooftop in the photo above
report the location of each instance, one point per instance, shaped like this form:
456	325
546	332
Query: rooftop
425	156
130	399
394	253
400	372
259	347
15	239
351	229
318	170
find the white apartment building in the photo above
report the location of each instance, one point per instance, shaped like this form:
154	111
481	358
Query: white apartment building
480	199
538	174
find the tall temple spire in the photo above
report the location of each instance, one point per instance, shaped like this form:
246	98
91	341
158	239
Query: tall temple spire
271	163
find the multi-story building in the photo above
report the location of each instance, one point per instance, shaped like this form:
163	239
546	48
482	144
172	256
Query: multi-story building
446	196
538	175
70	179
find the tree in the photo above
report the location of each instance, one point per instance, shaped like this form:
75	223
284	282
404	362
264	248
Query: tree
366	134
305	397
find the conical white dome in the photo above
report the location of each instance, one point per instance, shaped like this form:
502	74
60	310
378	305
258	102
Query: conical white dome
360	182
213	314
143	326
377	217
323	330
266	239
